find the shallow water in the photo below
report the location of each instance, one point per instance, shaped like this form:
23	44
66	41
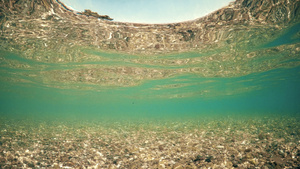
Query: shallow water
243	81
244	98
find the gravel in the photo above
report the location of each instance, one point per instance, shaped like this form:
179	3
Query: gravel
257	142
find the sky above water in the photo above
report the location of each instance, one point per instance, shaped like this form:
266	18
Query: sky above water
149	11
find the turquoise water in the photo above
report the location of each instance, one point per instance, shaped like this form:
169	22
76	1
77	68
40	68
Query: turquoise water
233	106
273	91
186	85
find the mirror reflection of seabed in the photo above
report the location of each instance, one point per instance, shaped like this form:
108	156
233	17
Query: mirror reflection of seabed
233	54
188	74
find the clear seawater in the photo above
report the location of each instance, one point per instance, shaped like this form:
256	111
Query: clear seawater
260	89
272	92
217	108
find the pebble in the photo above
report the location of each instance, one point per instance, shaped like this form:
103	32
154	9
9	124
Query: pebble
220	147
164	148
208	160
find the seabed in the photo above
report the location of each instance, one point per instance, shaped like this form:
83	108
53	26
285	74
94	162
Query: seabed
229	142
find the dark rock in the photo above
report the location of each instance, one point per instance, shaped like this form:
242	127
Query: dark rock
161	147
157	46
198	158
31	165
227	14
261	136
247	3
208	159
88	12
242	160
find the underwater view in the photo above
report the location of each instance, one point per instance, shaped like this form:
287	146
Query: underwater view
78	90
